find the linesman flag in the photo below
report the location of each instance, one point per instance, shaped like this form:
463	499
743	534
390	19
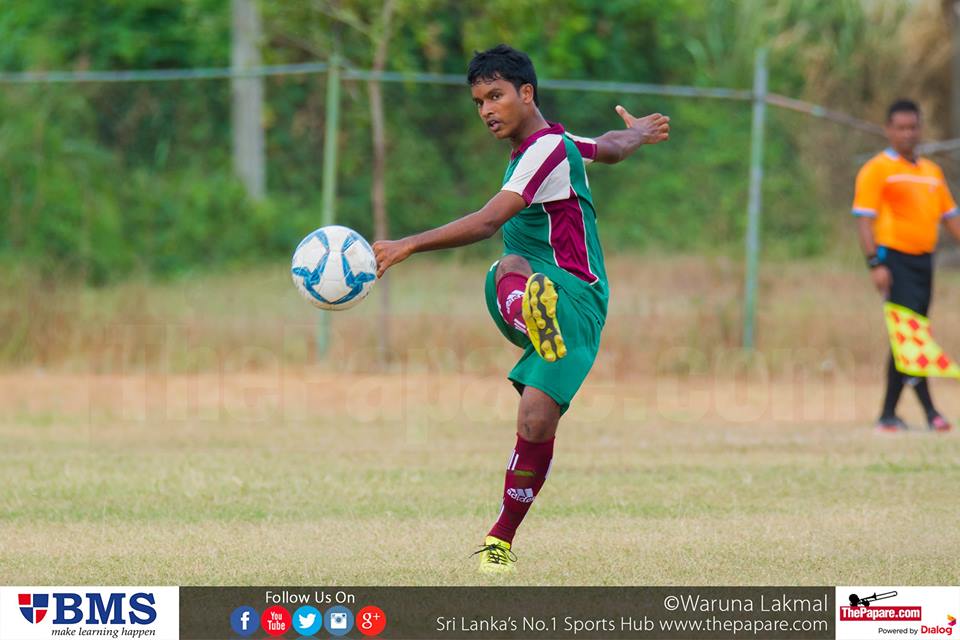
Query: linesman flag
914	350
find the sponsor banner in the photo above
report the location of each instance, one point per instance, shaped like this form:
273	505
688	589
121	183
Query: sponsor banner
488	613
127	613
866	613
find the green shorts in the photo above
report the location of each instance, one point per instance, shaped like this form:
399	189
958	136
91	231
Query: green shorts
581	333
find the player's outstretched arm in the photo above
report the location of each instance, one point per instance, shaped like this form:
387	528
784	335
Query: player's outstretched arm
471	228
614	146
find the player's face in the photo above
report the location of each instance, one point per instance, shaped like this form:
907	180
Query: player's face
501	106
903	131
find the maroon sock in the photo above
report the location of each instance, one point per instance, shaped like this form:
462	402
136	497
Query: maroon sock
526	473
510	299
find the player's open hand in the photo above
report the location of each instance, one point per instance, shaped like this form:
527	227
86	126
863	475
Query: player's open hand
389	253
653	128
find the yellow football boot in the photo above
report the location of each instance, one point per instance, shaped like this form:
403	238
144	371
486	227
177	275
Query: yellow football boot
540	316
495	556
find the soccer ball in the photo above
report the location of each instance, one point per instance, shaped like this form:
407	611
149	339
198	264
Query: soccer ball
334	268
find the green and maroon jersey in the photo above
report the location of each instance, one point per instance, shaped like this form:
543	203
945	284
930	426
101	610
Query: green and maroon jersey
557	231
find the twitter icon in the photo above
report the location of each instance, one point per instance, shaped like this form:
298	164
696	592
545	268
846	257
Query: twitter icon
307	620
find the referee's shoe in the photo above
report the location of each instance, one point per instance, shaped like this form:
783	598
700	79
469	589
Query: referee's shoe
938	423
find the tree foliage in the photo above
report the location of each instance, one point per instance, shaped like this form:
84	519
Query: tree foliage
99	180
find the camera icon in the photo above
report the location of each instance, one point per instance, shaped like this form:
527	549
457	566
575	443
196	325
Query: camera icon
338	620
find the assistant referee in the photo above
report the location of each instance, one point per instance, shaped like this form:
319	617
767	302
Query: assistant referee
901	200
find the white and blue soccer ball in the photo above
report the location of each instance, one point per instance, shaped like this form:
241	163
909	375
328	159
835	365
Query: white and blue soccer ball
334	268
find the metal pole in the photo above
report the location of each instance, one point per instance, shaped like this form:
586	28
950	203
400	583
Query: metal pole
248	141
329	184
755	202
331	131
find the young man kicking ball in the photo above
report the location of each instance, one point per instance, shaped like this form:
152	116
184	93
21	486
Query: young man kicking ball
548	292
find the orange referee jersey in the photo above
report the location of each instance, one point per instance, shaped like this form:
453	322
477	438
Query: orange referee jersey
909	201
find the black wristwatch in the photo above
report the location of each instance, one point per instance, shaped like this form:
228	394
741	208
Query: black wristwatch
874	261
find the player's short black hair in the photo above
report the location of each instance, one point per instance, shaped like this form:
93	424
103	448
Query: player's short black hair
902	106
503	62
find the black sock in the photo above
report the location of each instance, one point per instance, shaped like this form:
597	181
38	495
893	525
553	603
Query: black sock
894	387
923	392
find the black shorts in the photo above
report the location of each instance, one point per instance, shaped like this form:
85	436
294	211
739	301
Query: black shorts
912	279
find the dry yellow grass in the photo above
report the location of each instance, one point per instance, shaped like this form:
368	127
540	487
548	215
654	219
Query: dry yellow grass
667	315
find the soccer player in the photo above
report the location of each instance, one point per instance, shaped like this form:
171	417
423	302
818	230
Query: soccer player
900	201
548	293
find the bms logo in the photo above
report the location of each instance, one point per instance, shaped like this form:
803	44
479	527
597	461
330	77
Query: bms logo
33	606
89	608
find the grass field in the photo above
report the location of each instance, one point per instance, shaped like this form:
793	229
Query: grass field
265	471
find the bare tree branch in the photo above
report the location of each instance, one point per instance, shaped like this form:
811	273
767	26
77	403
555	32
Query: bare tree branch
383	35
378	192
346	16
293	42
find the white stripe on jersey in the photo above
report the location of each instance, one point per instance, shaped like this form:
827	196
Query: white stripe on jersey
556	185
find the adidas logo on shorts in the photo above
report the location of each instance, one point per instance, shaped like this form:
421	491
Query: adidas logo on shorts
521	495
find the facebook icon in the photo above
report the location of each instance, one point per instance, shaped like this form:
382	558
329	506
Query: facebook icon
244	621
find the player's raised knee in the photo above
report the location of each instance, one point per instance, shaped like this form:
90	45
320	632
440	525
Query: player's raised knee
512	263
